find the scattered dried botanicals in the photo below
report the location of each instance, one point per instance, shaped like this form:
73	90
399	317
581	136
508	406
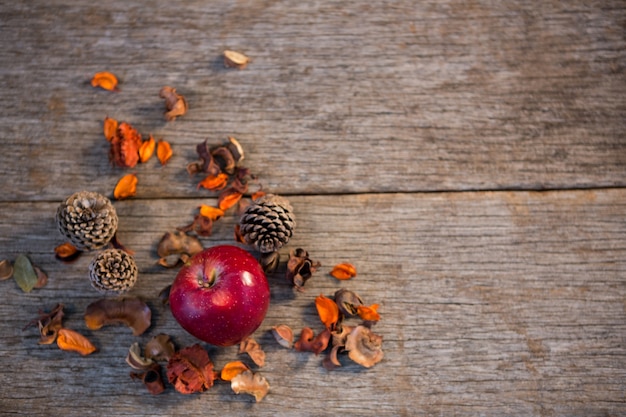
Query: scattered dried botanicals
343	271
214	182
135	359
109	128
233	59
254	350
308	342
126	187
283	335
125	144
368	313
229	198
48	324
24	273
6	270
232	369
251	383
151	378
300	267
175	103
67	252
177	243
160	348
328	311
347	301
73	341
212	213
42	277
130	311
105	80
191	370
364	347
146	150
164	151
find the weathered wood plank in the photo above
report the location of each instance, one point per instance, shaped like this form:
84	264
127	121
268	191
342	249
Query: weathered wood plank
492	303
340	96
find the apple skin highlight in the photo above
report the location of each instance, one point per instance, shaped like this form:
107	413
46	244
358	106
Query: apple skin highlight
220	296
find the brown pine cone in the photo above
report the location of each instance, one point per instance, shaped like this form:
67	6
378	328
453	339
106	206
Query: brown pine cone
268	223
113	270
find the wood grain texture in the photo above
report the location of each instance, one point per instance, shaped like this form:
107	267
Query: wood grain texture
340	96
492	304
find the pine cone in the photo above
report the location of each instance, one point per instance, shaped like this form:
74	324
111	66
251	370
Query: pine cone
113	270
87	219
268	223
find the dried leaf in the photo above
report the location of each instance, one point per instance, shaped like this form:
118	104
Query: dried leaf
6	270
343	271
253	349
73	341
248	382
178	243
211	212
327	310
126	187
110	127
135	359
105	80
67	252
146	149
201	225
368	313
24	273
164	151
175	103
48	324
191	370
160	347
364	347
42	278
233	59
228	198
283	335
125	144
232	369
214	182
151	378
308	342
130	311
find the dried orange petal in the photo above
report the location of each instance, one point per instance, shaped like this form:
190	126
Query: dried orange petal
257	195
343	271
368	313
214	182
212	213
164	151
228	199
126	187
105	80
327	310
232	369
66	251
110	127
73	341
146	149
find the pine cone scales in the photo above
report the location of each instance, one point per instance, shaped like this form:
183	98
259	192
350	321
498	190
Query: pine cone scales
113	270
268	223
87	219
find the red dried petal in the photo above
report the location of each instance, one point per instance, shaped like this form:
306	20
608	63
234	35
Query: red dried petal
191	370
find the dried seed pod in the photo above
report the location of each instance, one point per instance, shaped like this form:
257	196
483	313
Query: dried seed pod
283	335
113	270
268	223
136	360
233	59
87	219
160	347
300	267
347	301
6	269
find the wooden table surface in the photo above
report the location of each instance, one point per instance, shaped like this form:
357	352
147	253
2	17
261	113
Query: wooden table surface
468	157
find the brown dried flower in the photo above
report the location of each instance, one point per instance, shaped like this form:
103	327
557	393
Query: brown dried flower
300	267
191	370
251	383
254	350
364	347
130	311
175	103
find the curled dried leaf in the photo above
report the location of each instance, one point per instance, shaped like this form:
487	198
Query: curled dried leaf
228	198
233	59
164	151
42	277
232	369
147	149
73	341
364	347
283	335
214	182
136	360
6	269
24	273
109	128
328	311
160	347
191	370
126	187
206	163
201	225
211	212
225	159
254	350
175	103
66	252
331	361
48	324
300	267
151	378
248	382
235	149
105	80
343	271
308	342
130	311
368	313
347	301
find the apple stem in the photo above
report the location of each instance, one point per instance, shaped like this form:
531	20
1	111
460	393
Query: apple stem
208	281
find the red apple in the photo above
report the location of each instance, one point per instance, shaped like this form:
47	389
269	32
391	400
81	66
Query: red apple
221	295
